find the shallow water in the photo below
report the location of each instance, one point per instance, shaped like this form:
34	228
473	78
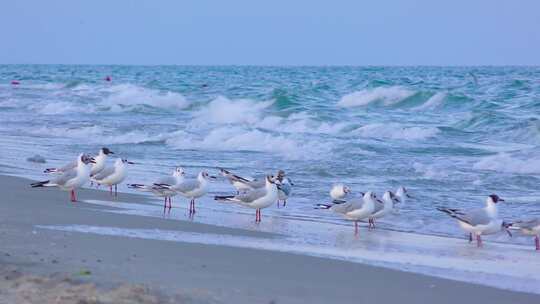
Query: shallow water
497	264
451	135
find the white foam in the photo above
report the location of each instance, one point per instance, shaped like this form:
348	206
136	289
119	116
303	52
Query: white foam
396	131
504	162
430	171
433	102
387	95
127	95
243	139
61	107
226	111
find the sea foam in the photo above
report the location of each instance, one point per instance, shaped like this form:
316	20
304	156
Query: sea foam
386	95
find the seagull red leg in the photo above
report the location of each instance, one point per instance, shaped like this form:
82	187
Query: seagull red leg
478	241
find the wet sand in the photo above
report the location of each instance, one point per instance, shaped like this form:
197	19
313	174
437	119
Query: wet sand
131	270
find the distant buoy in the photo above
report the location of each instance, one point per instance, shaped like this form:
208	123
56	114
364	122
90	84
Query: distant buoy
15	82
108	78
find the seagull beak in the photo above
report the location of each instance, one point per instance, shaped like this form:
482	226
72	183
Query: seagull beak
378	200
407	195
212	176
92	160
131	163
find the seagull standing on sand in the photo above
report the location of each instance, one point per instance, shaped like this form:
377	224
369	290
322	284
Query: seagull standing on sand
160	186
257	199
481	221
72	179
530	227
389	199
193	188
112	176
355	209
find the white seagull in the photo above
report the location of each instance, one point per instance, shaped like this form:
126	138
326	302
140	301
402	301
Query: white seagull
402	194
257	199
101	160
193	188
530	227
72	179
481	221
112	176
355	209
159	187
339	192
242	184
285	187
389	199
99	164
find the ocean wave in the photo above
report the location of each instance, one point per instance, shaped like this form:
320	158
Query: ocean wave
396	131
430	171
127	95
258	114
226	111
61	107
241	139
504	162
100	135
433	102
386	95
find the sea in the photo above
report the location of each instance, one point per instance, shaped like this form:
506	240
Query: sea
450	135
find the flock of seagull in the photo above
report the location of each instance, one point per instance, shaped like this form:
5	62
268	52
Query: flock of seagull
263	192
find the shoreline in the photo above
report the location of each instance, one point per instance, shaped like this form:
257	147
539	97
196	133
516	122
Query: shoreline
203	273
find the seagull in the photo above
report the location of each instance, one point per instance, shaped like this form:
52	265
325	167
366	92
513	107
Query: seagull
192	188
354	209
402	194
530	227
112	176
389	199
159	187
100	160
72	179
242	184
339	192
481	221
258	199
285	187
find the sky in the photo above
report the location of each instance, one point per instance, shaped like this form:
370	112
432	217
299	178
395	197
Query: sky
277	32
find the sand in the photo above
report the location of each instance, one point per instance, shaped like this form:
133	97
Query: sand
39	265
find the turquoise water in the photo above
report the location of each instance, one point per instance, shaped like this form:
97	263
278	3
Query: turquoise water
451	135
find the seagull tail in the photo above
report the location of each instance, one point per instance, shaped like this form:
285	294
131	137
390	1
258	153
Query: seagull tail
455	213
39	184
228	198
50	170
139	187
323	206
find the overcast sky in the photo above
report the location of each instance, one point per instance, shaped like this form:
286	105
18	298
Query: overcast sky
273	32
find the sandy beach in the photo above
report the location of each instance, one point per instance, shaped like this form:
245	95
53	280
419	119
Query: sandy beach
43	264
